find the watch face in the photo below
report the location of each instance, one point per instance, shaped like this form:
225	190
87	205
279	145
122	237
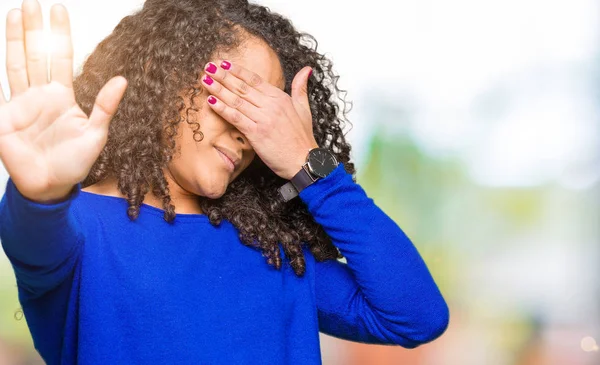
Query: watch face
321	162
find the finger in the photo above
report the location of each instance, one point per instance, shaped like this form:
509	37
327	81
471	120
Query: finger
233	116
37	67
300	85
300	88
107	102
251	78
232	100
235	85
2	98
62	54
16	66
18	115
5	126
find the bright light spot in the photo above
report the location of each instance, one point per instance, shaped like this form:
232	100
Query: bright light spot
588	344
50	42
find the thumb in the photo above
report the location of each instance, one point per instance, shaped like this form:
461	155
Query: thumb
300	87
107	102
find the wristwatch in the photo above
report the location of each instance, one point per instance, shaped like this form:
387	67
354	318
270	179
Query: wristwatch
320	162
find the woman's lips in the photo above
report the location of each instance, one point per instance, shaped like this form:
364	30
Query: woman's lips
228	162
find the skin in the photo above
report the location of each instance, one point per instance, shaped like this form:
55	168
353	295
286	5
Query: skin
42	125
198	169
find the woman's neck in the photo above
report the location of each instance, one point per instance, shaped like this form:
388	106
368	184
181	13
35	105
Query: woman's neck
184	203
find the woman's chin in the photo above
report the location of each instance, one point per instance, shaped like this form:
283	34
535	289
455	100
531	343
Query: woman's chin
216	191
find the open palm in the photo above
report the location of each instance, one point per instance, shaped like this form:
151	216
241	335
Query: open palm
47	143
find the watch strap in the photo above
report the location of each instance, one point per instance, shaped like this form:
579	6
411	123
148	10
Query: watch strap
303	178
288	191
298	183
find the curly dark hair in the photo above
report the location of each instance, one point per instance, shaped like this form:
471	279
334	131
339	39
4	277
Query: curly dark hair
160	49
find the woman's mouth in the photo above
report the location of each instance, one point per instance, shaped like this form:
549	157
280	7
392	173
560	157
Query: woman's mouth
227	161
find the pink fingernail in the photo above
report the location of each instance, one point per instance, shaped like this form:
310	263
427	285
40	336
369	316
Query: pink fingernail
211	67
310	73
207	80
212	100
225	65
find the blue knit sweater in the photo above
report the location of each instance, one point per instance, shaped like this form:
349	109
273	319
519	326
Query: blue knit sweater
98	288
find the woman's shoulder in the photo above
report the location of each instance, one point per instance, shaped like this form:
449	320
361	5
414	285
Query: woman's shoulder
100	202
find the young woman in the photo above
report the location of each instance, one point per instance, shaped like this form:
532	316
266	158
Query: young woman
203	224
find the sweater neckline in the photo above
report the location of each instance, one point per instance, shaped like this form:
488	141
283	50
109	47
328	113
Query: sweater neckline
192	217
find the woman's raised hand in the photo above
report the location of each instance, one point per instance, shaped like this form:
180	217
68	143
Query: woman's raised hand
47	143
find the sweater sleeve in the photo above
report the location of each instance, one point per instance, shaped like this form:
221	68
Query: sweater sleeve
42	241
385	293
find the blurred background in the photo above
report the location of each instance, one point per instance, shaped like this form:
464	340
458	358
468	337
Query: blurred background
475	127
